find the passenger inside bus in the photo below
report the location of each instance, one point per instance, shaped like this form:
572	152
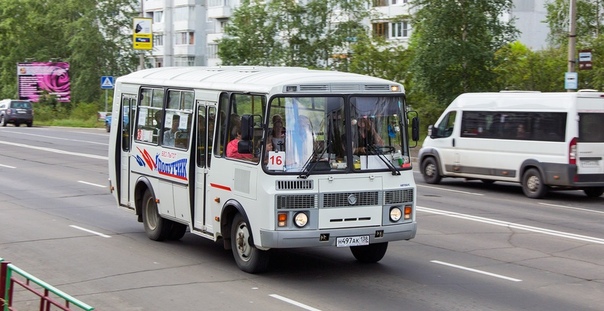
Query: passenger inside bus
231	150
277	136
366	137
170	134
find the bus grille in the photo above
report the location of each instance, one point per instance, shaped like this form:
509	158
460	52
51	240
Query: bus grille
294	184
313	88
296	201
398	196
347	199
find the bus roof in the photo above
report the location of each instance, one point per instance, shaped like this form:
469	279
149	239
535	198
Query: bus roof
256	79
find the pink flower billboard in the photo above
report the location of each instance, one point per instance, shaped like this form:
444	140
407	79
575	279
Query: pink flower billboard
38	78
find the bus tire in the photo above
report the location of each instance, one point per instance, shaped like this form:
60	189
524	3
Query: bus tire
369	253
430	171
156	227
248	258
177	231
594	192
532	184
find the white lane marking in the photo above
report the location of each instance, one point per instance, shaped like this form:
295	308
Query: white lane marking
501	223
90	231
91	184
573	208
293	302
60	138
476	271
451	190
93	156
7	166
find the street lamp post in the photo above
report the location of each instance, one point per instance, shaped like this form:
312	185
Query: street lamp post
572	35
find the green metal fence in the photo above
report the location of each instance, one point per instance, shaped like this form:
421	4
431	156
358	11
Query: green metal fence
12	277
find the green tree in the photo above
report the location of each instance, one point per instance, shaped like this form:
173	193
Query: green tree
284	32
92	35
455	43
589	21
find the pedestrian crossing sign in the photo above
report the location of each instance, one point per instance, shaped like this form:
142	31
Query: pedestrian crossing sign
107	82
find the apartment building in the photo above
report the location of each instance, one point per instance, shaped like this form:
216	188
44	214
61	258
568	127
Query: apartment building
185	31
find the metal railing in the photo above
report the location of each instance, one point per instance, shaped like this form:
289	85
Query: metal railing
12	276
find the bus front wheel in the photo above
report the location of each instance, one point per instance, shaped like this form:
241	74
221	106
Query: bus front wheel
369	253
156	227
532	184
248	258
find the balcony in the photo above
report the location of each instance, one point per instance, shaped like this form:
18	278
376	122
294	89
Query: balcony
219	12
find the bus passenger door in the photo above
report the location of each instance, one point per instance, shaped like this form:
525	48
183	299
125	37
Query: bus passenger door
126	118
203	154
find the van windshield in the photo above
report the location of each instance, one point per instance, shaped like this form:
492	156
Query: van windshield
590	127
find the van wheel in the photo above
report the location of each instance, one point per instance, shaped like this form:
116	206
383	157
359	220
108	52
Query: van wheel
532	184
594	192
156	227
487	181
369	253
247	256
30	124
430	171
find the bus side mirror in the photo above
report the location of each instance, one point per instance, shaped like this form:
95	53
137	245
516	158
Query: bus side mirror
245	146
247	127
415	128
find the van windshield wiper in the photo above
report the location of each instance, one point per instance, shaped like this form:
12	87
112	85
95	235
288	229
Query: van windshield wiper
382	157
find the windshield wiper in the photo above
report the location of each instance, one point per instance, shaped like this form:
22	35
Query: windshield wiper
382	157
305	173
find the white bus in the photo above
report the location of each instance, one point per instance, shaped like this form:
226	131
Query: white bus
541	140
261	158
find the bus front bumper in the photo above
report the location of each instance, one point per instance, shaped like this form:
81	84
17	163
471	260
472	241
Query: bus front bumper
328	237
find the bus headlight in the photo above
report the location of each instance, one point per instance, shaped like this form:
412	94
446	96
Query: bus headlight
300	219
395	214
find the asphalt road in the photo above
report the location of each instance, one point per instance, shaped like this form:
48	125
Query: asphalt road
478	247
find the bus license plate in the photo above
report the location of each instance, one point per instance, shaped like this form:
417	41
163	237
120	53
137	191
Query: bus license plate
352	241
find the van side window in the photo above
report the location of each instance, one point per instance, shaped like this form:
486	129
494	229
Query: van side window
445	127
516	125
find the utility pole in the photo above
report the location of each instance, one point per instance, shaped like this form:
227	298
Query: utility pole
141	56
572	35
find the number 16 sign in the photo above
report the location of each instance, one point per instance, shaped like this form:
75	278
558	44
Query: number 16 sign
276	160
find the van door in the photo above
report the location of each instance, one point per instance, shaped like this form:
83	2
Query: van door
125	136
203	154
445	141
590	145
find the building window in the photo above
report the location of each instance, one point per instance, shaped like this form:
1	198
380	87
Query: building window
159	61
399	30
185	37
184	61
158	16
158	40
380	29
212	50
380	3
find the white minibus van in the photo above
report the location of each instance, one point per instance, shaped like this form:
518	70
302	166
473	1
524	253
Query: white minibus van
541	140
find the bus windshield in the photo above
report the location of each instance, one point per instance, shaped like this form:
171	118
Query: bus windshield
345	134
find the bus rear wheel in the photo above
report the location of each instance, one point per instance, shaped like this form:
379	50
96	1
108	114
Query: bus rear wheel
369	253
532	184
248	258
156	227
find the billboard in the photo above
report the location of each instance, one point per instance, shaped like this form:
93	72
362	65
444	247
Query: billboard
38	78
142	36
